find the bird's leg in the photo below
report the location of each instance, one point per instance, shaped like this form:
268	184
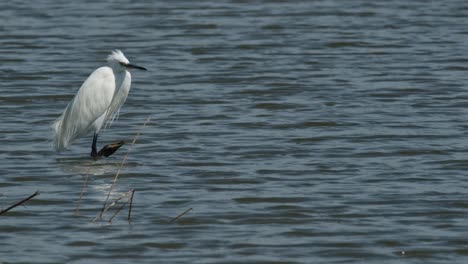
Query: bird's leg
93	147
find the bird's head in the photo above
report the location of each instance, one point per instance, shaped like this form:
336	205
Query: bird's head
117	60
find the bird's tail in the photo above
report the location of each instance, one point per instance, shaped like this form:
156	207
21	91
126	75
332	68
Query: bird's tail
60	139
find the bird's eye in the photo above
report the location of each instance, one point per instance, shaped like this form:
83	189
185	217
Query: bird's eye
122	63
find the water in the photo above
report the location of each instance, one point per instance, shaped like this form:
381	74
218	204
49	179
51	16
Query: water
297	131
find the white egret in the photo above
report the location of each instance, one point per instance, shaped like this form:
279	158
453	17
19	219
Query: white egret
97	102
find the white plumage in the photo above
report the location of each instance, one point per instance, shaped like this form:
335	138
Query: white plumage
97	102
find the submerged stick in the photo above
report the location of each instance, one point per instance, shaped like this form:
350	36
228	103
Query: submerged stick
83	187
130	205
19	203
116	212
179	216
129	201
114	203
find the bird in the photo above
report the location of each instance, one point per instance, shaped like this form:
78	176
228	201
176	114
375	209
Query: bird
96	103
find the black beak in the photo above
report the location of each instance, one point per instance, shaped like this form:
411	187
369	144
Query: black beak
135	66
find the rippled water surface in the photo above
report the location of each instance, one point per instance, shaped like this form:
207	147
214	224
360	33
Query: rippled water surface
297	131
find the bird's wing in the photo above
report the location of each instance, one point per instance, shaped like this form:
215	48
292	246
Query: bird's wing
89	104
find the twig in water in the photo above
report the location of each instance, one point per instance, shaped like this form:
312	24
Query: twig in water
116	212
130	205
179	216
116	201
129	202
83	187
120	167
19	203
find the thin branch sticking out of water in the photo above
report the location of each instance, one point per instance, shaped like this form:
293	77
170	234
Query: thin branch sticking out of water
130	205
179	216
116	212
99	217
19	203
129	202
83	187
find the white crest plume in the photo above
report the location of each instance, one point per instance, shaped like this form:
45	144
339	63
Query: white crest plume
117	56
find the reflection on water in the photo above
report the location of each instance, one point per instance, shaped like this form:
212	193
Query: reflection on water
87	166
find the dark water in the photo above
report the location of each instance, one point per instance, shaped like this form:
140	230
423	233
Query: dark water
297	131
